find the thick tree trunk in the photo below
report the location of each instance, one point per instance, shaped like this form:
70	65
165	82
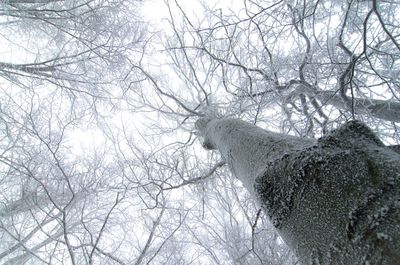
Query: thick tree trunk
335	200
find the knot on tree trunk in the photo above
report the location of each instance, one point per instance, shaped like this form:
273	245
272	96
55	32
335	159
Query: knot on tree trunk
201	126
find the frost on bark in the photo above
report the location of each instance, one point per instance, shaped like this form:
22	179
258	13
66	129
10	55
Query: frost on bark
334	200
384	109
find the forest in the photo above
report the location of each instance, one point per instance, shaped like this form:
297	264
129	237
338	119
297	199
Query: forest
116	118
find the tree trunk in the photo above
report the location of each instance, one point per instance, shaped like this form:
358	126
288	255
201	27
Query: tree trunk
334	200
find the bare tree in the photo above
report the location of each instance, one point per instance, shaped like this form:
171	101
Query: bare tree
143	192
320	63
333	201
77	47
300	68
60	74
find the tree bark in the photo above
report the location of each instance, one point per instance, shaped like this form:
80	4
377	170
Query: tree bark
335	200
388	110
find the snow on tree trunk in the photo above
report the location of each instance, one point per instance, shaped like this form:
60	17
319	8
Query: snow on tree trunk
335	200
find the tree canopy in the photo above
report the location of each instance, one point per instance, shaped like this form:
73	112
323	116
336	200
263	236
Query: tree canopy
100	161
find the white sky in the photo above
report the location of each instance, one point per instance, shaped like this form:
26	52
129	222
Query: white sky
155	11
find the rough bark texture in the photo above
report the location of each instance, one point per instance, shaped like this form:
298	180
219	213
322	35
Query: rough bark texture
334	201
